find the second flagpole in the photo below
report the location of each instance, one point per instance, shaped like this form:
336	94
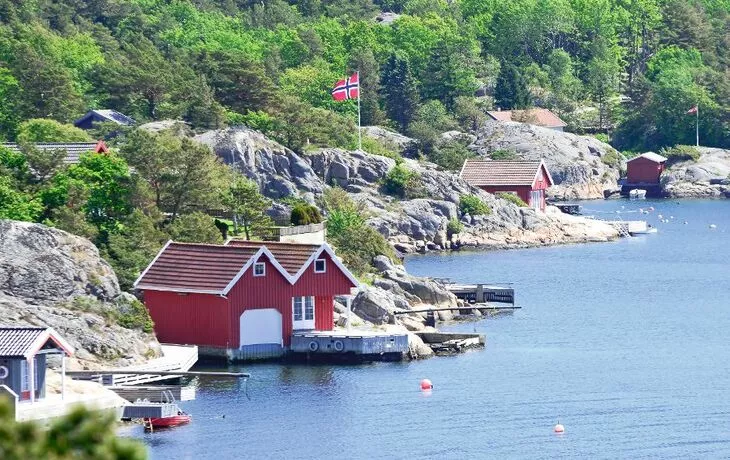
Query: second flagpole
359	129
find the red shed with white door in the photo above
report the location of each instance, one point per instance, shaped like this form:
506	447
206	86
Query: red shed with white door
527	179
242	300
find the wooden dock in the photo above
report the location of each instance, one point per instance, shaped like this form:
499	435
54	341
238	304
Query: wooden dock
156	393
451	342
573	209
482	293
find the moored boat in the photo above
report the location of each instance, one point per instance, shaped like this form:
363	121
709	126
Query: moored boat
637	194
168	422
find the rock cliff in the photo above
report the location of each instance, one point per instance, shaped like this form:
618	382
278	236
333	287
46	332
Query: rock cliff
578	164
51	278
411	224
708	177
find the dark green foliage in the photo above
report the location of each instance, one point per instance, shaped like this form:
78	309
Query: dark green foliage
400	90
403	182
511	91
44	130
611	158
451	155
453	227
512	198
680	153
503	154
81	435
305	214
474	206
133	315
195	227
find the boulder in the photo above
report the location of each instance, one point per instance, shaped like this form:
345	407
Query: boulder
388	138
417	349
376	305
51	278
705	178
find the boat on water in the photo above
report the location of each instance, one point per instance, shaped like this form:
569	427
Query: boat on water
649	229
168	422
637	194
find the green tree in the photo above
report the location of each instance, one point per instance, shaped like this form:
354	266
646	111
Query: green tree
10	95
511	90
363	60
305	214
400	90
248	206
195	227
44	130
15	204
81	435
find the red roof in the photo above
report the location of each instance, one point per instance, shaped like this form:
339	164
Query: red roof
18	342
537	116
214	269
291	256
492	173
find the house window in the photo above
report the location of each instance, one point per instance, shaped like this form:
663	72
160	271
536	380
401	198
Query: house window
303	312
259	269
320	266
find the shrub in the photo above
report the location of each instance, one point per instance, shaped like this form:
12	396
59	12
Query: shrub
503	154
375	147
454	227
451	155
680	153
603	137
133	315
611	158
403	182
45	130
512	198
474	206
305	214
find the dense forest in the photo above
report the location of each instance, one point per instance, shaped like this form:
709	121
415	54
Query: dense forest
627	68
626	71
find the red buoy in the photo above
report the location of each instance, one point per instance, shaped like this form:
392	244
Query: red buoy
426	384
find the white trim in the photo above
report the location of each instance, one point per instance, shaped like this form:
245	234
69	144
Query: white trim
262	265
48	334
151	263
461	171
144	287
324	269
539	168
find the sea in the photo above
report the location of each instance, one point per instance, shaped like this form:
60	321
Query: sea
626	344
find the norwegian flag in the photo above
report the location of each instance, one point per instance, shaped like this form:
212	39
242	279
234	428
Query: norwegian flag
347	89
692	110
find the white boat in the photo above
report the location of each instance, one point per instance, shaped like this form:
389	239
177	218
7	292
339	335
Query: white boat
649	229
637	194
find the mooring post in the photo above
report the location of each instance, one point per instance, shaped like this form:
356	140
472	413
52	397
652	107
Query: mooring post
349	312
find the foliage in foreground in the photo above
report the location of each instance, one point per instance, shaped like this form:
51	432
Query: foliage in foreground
474	206
80	435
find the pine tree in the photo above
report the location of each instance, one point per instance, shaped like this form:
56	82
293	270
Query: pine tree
400	90
363	60
511	90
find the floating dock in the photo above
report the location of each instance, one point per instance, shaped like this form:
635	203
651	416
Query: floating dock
358	344
482	293
451	342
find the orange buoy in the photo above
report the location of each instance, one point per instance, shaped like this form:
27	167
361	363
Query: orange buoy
559	428
426	384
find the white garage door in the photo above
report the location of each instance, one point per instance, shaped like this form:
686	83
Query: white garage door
261	326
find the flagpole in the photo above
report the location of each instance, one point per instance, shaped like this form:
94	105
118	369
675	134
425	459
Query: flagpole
359	129
697	124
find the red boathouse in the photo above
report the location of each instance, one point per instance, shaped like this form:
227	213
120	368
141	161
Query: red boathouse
527	179
242	300
645	169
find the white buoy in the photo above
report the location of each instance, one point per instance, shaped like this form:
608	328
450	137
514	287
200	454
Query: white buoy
713	226
660	216
685	222
671	217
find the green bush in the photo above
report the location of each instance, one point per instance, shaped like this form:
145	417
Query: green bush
474	206
451	155
403	182
375	147
454	227
133	315
305	214
680	153
603	137
512	198
612	158
503	154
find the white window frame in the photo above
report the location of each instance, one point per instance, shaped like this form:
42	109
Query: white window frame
299	307
261	265
324	266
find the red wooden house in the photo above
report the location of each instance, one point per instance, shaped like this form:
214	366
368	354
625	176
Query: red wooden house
645	169
242	300
527	179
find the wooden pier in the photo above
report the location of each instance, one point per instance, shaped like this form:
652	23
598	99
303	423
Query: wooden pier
451	342
362	344
573	209
482	293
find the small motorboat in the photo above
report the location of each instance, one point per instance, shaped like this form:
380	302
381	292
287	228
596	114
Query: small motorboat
637	194
168	422
648	230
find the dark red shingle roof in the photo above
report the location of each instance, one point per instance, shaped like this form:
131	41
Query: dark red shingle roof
291	256
492	173
537	116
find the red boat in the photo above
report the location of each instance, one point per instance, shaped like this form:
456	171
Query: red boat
168	422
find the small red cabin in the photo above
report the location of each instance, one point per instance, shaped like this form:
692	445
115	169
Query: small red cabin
244	299
527	179
645	169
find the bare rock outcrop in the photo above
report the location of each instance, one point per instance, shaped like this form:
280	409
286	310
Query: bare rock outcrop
575	162
708	177
54	279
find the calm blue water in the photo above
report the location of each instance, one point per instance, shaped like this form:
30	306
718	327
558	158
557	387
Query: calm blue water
626	343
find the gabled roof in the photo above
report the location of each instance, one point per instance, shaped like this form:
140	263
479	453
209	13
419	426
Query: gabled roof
493	173
536	116
106	115
655	157
73	149
215	269
25	342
